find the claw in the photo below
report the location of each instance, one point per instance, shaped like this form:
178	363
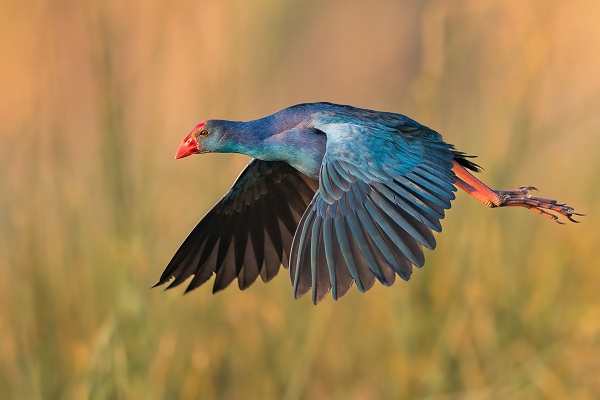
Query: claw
539	205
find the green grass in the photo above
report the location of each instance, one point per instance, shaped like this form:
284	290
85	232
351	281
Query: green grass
93	204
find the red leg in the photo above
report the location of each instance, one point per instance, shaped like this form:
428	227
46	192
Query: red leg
510	198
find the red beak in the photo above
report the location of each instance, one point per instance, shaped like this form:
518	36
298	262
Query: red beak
188	147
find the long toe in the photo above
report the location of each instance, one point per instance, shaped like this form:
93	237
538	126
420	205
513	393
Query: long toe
520	191
541	206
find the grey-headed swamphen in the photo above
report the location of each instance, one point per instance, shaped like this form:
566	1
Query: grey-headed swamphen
338	193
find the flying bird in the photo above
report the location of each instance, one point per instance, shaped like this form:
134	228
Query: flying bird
339	194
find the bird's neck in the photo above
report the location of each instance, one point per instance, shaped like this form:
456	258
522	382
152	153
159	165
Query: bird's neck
269	140
244	137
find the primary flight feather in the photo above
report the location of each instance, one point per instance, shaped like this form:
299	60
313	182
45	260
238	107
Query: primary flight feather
339	194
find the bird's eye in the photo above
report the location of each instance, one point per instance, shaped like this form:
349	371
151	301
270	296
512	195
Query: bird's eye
203	132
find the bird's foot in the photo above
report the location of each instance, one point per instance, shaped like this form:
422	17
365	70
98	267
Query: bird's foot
520	197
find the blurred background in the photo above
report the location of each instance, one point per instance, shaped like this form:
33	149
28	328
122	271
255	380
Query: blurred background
96	97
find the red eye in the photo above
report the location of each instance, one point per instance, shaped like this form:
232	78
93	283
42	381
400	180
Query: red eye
203	132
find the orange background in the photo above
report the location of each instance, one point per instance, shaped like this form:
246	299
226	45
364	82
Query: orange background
96	96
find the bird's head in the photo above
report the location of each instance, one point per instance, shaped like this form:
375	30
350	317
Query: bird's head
202	139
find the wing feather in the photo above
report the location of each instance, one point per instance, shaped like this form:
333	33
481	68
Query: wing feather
374	211
248	233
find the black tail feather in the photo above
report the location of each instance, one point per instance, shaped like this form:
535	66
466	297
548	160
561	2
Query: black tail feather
461	158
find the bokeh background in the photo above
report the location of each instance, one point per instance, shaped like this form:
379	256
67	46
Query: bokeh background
96	96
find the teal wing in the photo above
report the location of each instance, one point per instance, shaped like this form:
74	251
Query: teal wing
382	191
248	233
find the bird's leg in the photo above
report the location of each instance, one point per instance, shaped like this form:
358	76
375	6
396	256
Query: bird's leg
510	198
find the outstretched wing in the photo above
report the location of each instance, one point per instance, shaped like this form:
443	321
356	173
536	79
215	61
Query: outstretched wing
382	191
248	232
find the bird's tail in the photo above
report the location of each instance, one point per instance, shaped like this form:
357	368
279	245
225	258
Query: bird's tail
462	159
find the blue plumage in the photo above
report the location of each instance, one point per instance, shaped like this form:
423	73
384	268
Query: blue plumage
377	184
339	194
